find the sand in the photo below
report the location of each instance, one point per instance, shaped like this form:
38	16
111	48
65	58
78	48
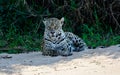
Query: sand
99	61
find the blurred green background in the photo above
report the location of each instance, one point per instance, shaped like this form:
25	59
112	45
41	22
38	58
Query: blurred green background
97	22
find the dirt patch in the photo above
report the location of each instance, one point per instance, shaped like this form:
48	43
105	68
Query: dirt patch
100	61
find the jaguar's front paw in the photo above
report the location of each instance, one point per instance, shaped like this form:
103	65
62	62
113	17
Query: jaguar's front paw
65	55
50	53
78	49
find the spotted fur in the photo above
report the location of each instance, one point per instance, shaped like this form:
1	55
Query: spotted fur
58	42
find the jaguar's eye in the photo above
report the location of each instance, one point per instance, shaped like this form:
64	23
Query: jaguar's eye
48	28
56	27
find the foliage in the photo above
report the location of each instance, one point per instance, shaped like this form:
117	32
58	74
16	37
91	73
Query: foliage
94	38
21	27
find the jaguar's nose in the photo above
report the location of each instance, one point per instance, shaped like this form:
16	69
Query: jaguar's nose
52	32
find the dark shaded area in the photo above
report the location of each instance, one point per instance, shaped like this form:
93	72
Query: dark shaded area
82	11
78	12
21	20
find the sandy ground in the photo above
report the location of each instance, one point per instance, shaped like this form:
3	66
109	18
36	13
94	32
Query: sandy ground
100	61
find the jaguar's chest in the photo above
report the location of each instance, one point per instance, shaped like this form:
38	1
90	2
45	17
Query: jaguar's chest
55	39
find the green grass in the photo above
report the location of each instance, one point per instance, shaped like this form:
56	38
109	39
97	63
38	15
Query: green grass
95	38
99	34
18	44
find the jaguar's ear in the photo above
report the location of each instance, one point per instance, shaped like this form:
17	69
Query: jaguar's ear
62	20
44	21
